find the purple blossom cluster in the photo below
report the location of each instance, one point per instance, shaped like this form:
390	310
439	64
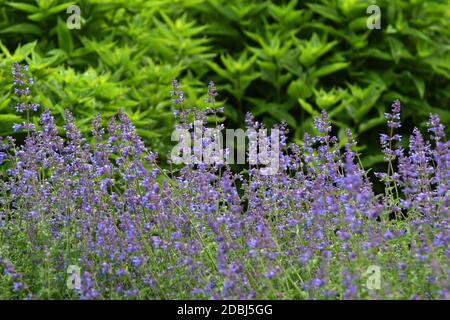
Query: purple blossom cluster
22	83
204	231
177	93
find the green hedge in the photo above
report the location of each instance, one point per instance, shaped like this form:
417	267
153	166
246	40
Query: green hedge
282	60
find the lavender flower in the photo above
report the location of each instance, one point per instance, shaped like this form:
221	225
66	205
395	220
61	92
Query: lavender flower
139	231
179	95
394	117
212	93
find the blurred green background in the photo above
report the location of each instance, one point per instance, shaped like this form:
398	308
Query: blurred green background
282	60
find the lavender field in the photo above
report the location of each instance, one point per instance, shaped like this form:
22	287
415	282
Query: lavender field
313	230
224	150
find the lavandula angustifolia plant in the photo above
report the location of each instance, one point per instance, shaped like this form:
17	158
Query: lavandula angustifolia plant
22	83
212	93
177	94
137	231
392	151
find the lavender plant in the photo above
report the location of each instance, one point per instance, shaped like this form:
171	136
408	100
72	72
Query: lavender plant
202	231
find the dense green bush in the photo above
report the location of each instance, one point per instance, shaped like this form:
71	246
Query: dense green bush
279	59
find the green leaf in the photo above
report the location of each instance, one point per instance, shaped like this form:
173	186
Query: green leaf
366	125
23	28
221	72
149	134
7	120
24	51
326	11
308	108
24	7
60	7
328	69
224	10
5	49
420	85
398	50
376	53
64	37
369	161
4	102
38	17
358	24
371	96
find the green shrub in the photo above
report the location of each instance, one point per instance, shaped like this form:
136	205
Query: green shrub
282	60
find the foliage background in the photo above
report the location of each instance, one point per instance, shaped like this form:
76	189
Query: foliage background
282	60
